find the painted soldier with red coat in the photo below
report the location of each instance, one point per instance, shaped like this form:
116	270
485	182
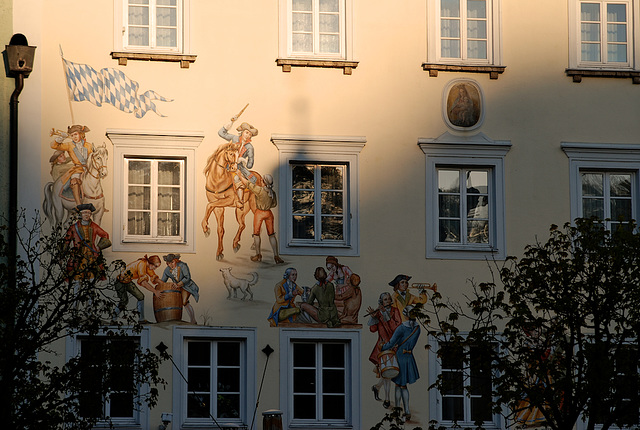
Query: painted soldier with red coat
85	241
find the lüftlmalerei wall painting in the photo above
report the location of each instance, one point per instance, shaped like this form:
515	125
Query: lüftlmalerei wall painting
463	105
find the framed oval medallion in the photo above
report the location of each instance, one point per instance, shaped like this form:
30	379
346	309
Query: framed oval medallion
463	105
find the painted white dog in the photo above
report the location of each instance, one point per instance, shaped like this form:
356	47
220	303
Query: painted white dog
234	284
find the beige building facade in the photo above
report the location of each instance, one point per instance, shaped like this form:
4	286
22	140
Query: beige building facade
418	138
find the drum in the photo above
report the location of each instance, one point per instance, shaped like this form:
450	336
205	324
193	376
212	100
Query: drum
388	364
167	307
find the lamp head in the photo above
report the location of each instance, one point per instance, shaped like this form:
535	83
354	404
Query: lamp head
19	56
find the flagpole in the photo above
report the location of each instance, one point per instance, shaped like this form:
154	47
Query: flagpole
66	78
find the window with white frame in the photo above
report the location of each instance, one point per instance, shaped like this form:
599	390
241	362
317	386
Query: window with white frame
466	387
154	181
604	181
323	383
465	32
319	194
315	29
465	197
159	26
602	34
216	378
109	368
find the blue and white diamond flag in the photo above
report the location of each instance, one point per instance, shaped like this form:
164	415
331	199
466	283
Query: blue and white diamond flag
109	86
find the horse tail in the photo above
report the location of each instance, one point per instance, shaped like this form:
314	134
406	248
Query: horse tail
47	203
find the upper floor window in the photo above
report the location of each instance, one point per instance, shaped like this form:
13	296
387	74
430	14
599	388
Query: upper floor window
465	197
319	194
316	30
604	181
603	35
464	32
154	185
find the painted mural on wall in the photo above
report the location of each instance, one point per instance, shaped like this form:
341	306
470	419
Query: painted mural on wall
394	322
85	241
463	104
333	301
236	284
77	170
230	184
108	86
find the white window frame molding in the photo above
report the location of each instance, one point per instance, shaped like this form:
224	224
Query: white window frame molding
598	156
285	39
72	349
120	43
435	397
467	152
354	386
180	335
153	144
319	149
633	31
494	36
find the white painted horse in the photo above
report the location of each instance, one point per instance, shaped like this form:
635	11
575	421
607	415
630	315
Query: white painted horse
57	207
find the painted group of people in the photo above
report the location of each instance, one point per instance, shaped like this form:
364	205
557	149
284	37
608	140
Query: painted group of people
395	322
333	300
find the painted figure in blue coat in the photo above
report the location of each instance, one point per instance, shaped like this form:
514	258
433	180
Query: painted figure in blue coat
403	341
178	272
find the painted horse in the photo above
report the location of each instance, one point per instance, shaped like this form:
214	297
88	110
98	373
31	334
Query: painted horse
57	204
221	194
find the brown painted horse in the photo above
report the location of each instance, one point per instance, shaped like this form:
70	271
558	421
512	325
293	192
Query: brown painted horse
221	194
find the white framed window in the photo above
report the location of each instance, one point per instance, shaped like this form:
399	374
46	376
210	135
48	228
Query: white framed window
319	194
465	190
604	181
465	32
219	365
120	406
321	387
154	189
602	34
466	391
316	29
154	26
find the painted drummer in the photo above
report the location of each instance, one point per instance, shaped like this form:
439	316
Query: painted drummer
178	273
384	320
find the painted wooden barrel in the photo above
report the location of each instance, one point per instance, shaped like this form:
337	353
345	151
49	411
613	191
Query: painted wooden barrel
167	307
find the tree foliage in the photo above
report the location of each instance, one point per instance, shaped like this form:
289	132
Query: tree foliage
51	301
560	331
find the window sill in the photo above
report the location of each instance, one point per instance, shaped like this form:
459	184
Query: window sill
184	60
346	66
578	74
433	69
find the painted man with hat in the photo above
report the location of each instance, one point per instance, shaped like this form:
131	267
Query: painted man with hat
84	250
78	149
402	297
245	154
178	272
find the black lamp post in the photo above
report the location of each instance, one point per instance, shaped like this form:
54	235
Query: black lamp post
18	57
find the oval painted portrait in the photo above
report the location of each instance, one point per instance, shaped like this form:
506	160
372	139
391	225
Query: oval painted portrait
464	105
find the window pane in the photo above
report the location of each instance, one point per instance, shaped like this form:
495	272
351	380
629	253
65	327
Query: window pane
332	228
333	355
168	224
138	36
329	23
330	43
302	43
620	185
481	408
453	408
228	353
303	202
449	206
168	198
199	379
449	230
450	8
450	28
451	48
329	6
590	32
198	406
303	227
121	405
229	380
617	33
167	37
616	53
476	9
448	181
332	177
477	49
333	407
228	406
478	231
616	13
305	5
304	407
139	172
140	198
331	202
302	22
167	16
590	52
333	381
621	209
138	15
304	355
593	208
302	177
304	381
476	29
199	353
590	12
592	184
477	181
139	223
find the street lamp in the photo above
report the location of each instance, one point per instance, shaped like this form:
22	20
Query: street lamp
18	61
